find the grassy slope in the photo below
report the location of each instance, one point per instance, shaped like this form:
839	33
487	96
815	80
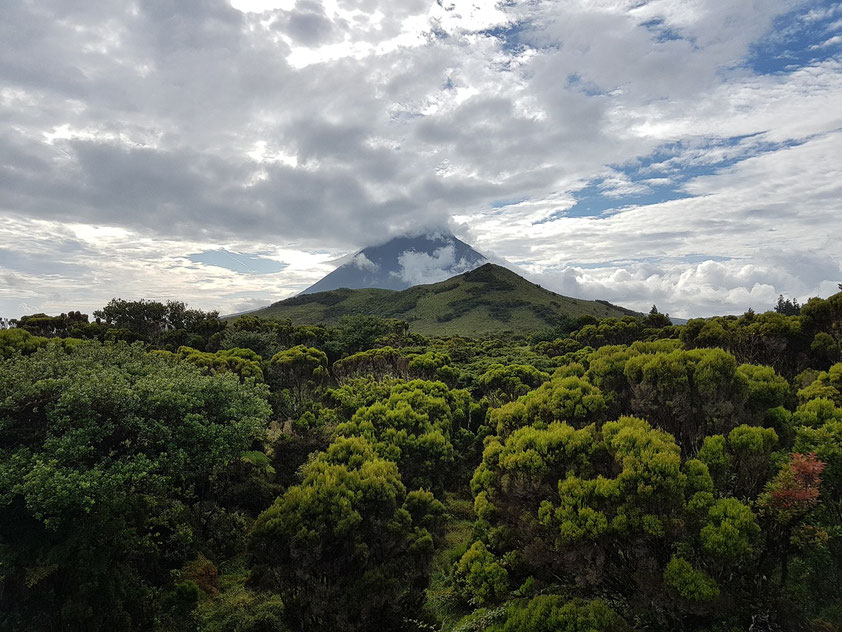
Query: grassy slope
488	300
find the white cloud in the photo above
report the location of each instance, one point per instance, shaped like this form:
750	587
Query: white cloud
364	263
420	267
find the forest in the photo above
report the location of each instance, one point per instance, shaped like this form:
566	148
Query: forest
164	469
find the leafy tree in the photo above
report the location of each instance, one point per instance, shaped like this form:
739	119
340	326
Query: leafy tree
688	582
358	333
414	427
788	501
505	383
152	321
349	547
607	365
66	325
107	457
611	331
13	341
826	385
480	577
295	375
242	362
263	336
825	315
690	394
787	307
561	496
656	320
750	458
382	363
572	399
770	338
432	365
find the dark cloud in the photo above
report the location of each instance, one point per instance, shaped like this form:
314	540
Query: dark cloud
308	25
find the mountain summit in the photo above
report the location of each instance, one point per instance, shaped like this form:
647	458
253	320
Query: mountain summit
401	263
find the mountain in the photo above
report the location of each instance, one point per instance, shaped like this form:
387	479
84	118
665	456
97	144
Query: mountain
487	300
401	263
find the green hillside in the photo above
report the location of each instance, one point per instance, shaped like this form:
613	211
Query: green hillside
488	300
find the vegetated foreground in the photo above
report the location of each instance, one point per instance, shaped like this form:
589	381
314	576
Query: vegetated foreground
165	470
487	300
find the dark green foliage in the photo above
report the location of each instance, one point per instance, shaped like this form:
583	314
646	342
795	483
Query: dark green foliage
787	307
107	461
69	325
358	333
348	548
296	374
14	341
169	325
502	384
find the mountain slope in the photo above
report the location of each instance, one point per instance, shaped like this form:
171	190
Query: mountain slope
487	300
401	263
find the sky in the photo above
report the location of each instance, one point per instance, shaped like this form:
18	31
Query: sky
683	153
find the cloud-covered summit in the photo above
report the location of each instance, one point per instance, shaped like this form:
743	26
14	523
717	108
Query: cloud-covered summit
682	152
403	262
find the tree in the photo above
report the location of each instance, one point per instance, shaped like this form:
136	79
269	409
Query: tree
505	383
788	500
571	399
414	427
382	363
171	323
787	307
825	315
13	341
358	333
295	374
107	458
584	504
243	362
656	320
690	394
480	577
348	548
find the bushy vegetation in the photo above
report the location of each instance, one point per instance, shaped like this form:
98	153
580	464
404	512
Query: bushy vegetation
162	469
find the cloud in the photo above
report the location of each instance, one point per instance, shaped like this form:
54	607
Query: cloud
364	263
421	267
307	130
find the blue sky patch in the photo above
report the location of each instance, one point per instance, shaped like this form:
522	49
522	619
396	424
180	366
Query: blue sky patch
662	176
502	203
238	262
811	33
660	31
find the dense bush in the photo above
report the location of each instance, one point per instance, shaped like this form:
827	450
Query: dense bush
108	457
